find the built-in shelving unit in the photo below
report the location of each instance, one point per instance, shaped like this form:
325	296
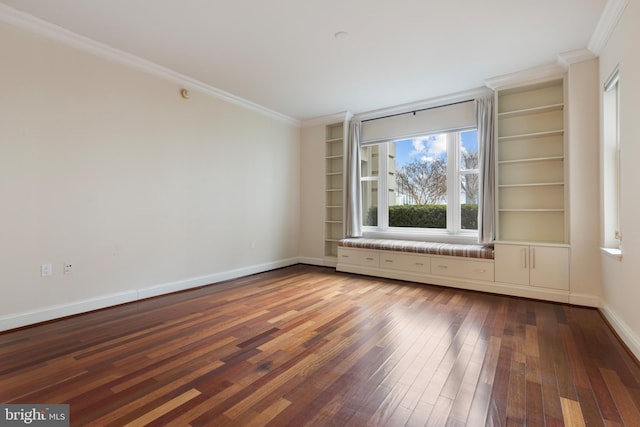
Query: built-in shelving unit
334	188
531	190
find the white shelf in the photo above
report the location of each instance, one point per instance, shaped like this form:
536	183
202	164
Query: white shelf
533	184
532	159
531	172
534	110
531	210
334	192
556	132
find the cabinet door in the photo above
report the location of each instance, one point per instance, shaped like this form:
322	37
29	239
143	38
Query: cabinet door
512	264
549	267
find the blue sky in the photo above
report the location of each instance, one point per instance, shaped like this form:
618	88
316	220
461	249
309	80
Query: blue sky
430	147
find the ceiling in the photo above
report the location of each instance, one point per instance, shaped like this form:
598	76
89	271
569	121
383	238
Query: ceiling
283	55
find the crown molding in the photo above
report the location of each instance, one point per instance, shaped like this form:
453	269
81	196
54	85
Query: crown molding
327	120
28	22
530	75
608	20
567	59
439	101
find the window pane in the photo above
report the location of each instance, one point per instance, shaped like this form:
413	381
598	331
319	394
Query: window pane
469	180
469	150
369	160
391	170
611	164
370	203
418	171
469	201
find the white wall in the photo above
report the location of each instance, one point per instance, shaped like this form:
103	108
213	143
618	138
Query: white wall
620	278
584	197
109	169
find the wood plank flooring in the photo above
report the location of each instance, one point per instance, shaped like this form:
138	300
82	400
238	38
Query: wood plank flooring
306	346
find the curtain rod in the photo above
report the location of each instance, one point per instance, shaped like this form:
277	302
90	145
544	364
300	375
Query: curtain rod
417	111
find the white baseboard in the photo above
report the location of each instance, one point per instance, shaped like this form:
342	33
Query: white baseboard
181	285
18	320
322	262
626	333
26	318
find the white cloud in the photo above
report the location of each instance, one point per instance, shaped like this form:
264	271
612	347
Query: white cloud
429	148
418	146
438	144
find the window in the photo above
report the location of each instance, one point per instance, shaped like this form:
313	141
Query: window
611	163
425	186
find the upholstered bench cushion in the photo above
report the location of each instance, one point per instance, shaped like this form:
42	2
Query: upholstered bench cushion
433	248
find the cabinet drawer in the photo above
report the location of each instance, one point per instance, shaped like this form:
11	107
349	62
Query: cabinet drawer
405	262
463	268
358	257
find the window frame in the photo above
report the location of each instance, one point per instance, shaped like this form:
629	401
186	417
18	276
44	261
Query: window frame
611	155
453	232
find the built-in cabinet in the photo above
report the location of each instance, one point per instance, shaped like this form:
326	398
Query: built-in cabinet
531	271
532	265
531	184
334	188
532	239
420	267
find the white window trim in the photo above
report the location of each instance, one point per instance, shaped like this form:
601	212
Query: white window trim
613	253
453	233
612	226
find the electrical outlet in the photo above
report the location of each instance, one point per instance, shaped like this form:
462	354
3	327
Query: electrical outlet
68	268
46	270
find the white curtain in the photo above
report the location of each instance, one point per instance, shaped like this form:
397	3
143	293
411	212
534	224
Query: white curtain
353	199
486	203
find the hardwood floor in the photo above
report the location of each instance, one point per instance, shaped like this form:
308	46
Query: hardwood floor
308	346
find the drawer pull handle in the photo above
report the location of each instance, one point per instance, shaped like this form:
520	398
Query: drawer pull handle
443	266
533	258
420	263
344	256
388	260
480	270
369	259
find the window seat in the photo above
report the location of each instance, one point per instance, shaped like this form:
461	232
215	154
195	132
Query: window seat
464	266
432	248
